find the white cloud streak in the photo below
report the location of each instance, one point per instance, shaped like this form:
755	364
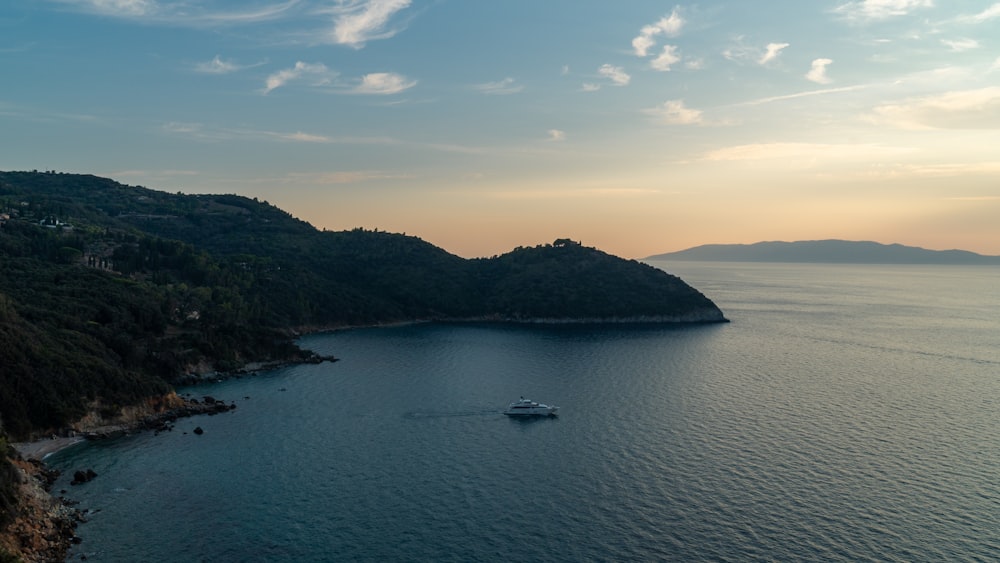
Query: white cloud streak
674	112
988	14
798	152
796	95
772	52
383	83
556	135
500	87
868	10
180	12
966	109
666	59
817	73
615	73
959	45
117	8
668	25
358	21
217	66
321	75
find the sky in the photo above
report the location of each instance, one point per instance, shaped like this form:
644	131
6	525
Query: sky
637	127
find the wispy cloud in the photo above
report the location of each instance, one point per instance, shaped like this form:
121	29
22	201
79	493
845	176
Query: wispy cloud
301	137
772	52
557	135
740	52
668	25
500	87
666	59
968	109
339	177
807	94
220	66
615	73
204	132
817	73
383	83
986	15
959	45
318	71
590	87
674	112
180	12
358	21
118	8
869	10
799	152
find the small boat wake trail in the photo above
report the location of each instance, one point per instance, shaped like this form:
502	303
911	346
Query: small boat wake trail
439	414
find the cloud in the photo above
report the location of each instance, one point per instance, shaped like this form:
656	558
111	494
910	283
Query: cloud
199	131
868	10
667	58
986	15
179	12
358	21
590	87
773	50
959	45
383	83
810	93
673	112
968	109
505	86
118	8
615	73
217	66
557	135
818	71
179	127
333	178
668	25
741	52
321	74
301	137
798	152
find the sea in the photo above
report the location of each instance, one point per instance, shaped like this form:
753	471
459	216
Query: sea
847	413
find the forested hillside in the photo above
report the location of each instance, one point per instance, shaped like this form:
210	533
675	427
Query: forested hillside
110	293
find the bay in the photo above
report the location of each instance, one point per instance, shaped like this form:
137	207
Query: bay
846	413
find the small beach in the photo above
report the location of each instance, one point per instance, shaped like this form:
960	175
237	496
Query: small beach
40	449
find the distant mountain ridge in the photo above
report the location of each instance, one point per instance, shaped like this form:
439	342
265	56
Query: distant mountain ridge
827	251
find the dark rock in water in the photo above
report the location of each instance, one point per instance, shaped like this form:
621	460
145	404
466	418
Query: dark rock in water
80	477
198	430
209	400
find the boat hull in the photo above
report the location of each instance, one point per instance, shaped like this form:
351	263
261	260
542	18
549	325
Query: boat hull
526	407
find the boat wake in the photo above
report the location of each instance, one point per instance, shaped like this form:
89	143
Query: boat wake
432	414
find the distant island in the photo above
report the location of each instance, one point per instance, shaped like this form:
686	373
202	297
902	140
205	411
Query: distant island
827	251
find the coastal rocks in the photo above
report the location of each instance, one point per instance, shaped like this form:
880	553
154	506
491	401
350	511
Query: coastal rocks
198	430
81	477
44	527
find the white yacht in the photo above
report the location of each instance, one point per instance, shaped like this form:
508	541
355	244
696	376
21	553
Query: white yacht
527	407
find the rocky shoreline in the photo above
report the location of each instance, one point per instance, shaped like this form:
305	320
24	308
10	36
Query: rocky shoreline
44	528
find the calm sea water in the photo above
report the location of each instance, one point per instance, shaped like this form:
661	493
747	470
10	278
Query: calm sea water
847	413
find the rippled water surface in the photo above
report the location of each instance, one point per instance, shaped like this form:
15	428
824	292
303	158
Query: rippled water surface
847	412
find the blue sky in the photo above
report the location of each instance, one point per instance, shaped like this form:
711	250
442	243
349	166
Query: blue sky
638	127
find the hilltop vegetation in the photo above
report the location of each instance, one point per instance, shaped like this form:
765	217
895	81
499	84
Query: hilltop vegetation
110	293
